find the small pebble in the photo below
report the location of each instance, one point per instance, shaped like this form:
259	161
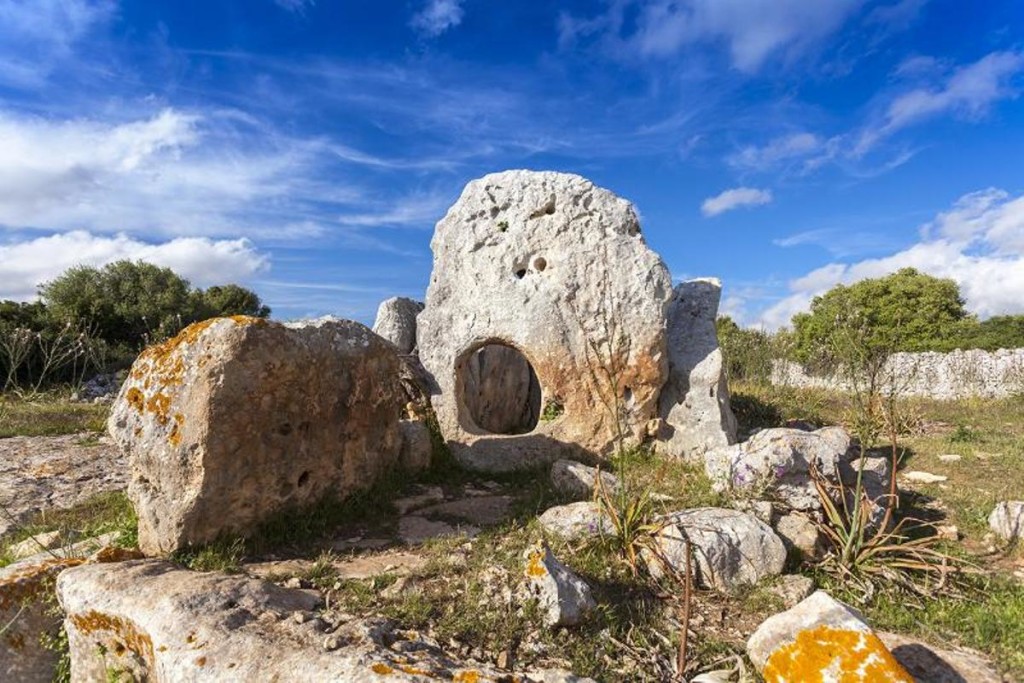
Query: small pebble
300	617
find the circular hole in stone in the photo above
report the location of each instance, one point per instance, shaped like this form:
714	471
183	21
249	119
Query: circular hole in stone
499	390
521	273
539	264
303	478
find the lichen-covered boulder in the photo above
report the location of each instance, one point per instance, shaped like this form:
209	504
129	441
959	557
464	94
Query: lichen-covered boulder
27	616
694	404
396	322
821	639
564	598
153	621
577	481
584	519
238	418
555	268
729	548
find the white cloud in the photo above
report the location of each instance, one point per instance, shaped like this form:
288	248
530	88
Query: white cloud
979	243
204	262
735	198
753	30
171	173
36	36
968	92
437	17
783	149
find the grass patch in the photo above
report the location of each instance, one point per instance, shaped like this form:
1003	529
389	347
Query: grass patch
101	514
50	417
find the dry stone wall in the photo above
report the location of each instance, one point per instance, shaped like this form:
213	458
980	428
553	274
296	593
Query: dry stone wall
944	376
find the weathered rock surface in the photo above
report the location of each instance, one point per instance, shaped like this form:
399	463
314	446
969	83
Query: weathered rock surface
554	267
730	548
563	596
396	322
822	639
1007	519
40	473
792	589
779	461
577	481
800	533
929	664
154	621
576	520
416	448
415	530
694	404
29	616
237	418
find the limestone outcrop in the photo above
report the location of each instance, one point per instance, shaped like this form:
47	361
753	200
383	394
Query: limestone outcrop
396	322
694	404
555	269
237	418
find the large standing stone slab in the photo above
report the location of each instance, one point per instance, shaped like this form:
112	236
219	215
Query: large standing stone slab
396	322
694	404
237	418
554	267
821	639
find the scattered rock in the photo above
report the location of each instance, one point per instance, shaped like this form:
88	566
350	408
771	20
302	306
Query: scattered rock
40	543
928	664
821	639
368	566
151	620
396	322
47	473
1007	519
577	481
778	461
950	457
918	477
694	403
237	418
576	520
799	532
554	268
792	589
563	596
415	530
948	532
416	449
762	509
730	548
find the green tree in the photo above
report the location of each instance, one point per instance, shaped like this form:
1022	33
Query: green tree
998	332
232	300
905	311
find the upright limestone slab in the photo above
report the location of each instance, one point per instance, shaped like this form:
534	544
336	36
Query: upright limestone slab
555	268
694	405
237	418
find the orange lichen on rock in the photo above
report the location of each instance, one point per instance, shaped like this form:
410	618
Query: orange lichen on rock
468	676
843	655
535	566
27	585
382	669
127	634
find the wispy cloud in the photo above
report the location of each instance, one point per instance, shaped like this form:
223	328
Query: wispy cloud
296	6
25	265
968	92
438	16
39	36
736	198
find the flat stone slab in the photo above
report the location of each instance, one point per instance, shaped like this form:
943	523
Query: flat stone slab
485	510
934	665
398	563
415	530
40	473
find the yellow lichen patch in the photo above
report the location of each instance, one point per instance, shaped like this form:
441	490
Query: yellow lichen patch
535	565
159	404
136	399
468	676
201	661
27	585
382	669
128	636
845	656
413	670
174	438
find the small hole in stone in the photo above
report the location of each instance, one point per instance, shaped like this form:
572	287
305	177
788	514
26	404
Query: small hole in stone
521	273
539	264
627	396
284	429
303	478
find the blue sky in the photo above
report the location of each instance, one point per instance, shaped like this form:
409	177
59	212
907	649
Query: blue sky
307	148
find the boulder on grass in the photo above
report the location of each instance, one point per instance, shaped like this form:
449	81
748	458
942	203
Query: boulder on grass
821	639
578	481
238	418
564	597
1007	520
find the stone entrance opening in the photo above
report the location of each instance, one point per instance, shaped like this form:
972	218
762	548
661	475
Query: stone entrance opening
499	389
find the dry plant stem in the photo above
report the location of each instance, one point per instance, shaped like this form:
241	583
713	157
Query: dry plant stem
687	601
